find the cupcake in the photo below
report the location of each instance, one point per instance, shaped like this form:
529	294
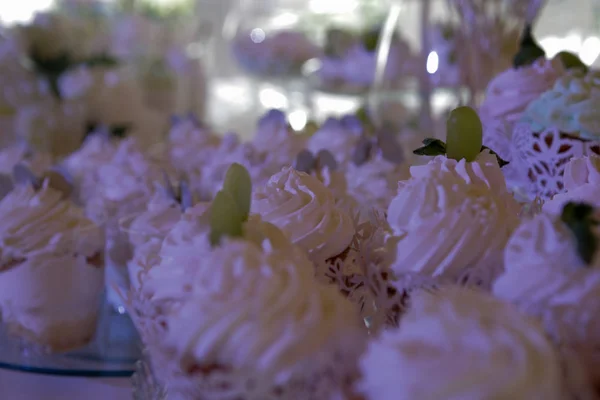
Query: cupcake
231	150
176	234
509	94
339	136
461	344
51	270
324	167
97	149
258	267
552	272
582	184
123	186
281	334
561	124
377	166
306	211
276	140
190	143
453	217
163	262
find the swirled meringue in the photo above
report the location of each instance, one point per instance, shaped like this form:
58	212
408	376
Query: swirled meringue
124	185
375	183
302	207
232	150
461	345
450	216
339	136
546	278
276	139
191	144
261	312
183	252
509	93
161	214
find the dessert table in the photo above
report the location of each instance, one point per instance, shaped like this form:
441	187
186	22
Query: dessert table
26	386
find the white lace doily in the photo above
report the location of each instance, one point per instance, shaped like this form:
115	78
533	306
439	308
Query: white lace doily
539	158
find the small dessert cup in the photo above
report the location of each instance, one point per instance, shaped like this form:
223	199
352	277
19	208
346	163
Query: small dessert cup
52	299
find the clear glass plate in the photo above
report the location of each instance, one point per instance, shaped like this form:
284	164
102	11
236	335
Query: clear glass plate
113	352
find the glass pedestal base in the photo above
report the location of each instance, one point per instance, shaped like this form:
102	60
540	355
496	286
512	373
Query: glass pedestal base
113	351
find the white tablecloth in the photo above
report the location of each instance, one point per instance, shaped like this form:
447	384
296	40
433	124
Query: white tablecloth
24	386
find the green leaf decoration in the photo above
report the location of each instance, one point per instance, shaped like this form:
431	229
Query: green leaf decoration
226	219
436	147
529	51
431	147
571	61
501	162
464	134
579	217
239	185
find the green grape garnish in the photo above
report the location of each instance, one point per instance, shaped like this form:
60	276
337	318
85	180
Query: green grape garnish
231	206
464	134
226	220
239	185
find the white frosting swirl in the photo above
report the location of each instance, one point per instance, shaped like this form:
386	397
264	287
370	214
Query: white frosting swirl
124	185
185	248
582	184
450	216
231	150
546	278
21	153
375	183
302	207
261	312
338	136
95	151
276	139
542	265
42	222
191	144
162	213
509	93
461	345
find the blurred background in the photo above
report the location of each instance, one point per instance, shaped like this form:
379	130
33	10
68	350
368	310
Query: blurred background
240	50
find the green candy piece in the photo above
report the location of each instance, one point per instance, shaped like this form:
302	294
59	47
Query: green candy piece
239	185
571	61
226	220
464	134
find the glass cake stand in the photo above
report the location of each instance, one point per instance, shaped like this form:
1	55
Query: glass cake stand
113	352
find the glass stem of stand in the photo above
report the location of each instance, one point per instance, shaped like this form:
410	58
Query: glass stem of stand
426	122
